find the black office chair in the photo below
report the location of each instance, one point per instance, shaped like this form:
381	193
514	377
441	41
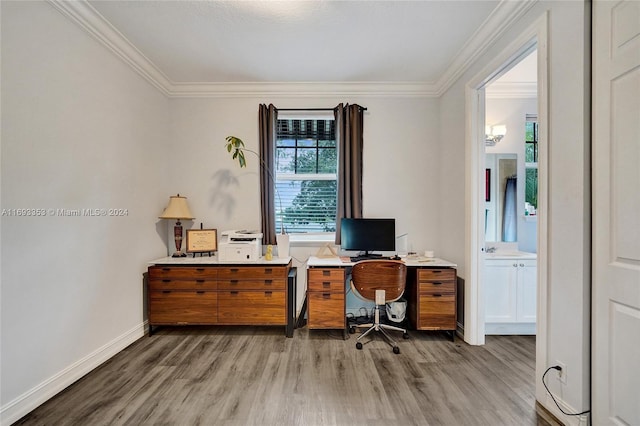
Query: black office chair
382	282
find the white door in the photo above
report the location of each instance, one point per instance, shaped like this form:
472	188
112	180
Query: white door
616	213
500	290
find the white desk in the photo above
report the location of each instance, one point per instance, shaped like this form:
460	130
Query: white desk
413	261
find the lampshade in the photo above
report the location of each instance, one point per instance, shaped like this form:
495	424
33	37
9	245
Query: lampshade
177	209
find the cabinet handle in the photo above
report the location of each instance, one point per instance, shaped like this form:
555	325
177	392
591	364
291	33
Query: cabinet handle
200	281
268	282
268	271
326	295
233	293
437	295
326	273
233	282
268	293
326	284
200	292
166	281
436	271
166	291
437	283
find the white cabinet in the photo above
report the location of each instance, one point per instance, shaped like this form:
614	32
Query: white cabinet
510	296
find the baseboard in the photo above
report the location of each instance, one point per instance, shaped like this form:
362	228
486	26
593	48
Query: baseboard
547	416
550	410
28	401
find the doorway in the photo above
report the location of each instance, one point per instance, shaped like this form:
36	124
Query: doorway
532	38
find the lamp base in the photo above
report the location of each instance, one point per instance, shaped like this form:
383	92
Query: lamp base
178	254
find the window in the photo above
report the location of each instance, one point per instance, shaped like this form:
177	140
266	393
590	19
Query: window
531	163
306	175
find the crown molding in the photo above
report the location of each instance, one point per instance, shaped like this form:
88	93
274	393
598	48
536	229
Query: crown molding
505	14
90	20
511	90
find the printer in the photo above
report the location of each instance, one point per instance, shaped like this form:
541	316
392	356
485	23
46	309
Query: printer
240	246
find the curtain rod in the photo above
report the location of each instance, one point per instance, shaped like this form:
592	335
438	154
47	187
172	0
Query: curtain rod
312	109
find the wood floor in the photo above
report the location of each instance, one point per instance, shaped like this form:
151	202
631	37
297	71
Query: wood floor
256	376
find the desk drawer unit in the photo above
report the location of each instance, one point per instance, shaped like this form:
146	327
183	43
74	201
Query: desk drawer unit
434	299
326	298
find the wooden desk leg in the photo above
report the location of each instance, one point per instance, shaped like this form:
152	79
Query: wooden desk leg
291	301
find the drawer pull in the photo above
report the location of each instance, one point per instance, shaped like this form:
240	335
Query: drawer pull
326	273
166	269
166	291
233	282
437	295
166	281
326	295
268	271
200	269
233	293
233	270
435	271
326	284
437	283
268	282
268	293
200	292
200	281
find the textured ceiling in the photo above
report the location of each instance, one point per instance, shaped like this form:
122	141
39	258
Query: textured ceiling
298	41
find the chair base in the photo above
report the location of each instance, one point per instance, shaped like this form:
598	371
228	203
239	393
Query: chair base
382	328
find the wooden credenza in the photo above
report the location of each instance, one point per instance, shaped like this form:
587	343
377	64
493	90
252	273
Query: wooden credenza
206	292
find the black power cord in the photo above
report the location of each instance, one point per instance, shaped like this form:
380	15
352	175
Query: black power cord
557	367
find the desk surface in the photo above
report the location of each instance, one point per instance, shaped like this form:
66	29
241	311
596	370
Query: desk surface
213	260
417	261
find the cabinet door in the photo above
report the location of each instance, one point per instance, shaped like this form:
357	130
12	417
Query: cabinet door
527	291
500	291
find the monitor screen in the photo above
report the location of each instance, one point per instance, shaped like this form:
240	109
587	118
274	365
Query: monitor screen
368	235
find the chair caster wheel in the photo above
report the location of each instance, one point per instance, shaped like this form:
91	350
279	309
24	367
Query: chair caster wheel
405	335
396	350
358	345
352	330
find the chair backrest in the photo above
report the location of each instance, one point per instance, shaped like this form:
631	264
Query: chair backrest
367	276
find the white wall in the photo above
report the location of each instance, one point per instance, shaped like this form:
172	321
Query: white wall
79	130
401	167
568	251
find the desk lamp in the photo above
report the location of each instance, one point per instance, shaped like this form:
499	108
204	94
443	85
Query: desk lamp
178	210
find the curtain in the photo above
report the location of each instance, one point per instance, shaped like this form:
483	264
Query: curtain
349	126
509	216
267	122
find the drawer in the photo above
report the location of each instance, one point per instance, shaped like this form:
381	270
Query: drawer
436	274
326	275
437	287
275	284
252	307
437	312
325	310
183	307
182	272
178	284
326	286
248	273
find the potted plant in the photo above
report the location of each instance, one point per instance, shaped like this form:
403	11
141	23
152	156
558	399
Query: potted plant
235	146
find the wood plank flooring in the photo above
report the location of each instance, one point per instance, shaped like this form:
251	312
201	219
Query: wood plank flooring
256	376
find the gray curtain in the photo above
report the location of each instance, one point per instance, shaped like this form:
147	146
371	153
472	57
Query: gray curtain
267	121
510	213
349	126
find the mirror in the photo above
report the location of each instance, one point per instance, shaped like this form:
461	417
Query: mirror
501	198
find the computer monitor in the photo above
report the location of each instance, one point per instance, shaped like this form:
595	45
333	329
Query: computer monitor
367	235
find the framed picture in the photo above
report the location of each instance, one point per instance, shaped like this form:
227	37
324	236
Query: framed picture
202	240
487	185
